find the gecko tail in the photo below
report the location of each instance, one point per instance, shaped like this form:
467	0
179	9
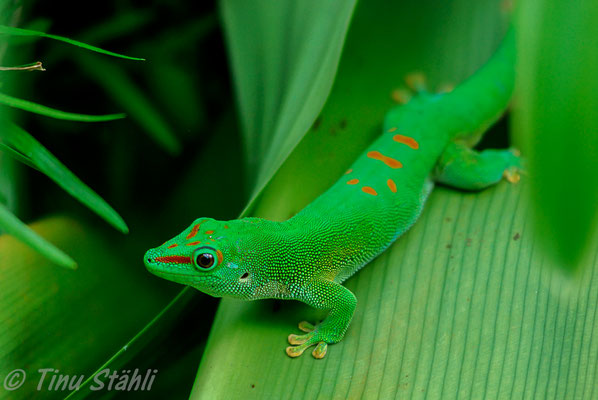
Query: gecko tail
486	94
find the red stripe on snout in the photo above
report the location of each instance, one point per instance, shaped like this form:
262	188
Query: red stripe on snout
174	260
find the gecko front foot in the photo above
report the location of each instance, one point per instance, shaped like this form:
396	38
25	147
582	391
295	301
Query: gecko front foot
313	336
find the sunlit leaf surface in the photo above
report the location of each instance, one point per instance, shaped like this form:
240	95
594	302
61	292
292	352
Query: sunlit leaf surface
463	306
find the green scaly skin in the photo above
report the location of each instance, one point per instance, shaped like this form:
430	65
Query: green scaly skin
307	257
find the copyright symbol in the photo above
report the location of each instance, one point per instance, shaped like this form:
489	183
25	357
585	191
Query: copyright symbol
14	379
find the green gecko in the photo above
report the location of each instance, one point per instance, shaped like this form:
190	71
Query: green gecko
428	139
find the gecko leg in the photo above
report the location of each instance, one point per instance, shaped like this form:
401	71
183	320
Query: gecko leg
464	168
323	295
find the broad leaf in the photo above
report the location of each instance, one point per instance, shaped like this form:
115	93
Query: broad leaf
71	322
284	56
556	120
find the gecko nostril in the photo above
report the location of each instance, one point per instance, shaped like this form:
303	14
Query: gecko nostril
149	260
245	275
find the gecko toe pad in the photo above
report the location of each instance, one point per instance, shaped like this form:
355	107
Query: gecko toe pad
314	336
305	326
512	175
320	350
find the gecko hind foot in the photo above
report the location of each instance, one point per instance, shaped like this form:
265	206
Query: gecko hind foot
313	336
416	85
416	81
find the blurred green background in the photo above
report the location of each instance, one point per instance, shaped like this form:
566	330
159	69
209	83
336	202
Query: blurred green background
256	108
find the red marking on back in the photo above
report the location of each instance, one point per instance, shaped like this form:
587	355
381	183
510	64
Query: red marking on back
220	256
391	162
392	185
174	260
225	226
353	182
194	243
369	190
348	171
394	128
406	140
194	231
172	246
209	232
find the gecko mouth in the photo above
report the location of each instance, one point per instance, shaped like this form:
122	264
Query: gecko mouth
173	268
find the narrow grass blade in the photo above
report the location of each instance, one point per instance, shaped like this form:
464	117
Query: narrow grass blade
17	155
124	91
24	143
13	226
51	112
8	30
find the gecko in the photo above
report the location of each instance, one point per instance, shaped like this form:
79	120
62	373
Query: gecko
426	140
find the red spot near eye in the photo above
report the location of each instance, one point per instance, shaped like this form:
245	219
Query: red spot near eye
406	140
194	243
209	232
172	246
353	182
369	190
194	231
391	162
392	185
220	256
174	260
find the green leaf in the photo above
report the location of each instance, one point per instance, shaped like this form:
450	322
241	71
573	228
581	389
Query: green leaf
463	306
123	90
17	155
51	112
284	55
435	310
8	30
158	324
557	123
54	318
13	226
38	155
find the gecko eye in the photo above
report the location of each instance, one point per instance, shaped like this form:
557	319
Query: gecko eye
205	258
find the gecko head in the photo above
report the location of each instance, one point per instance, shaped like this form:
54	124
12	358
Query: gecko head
206	257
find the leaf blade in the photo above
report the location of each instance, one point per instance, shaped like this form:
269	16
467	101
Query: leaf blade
23	142
559	136
309	43
13	226
9	30
119	86
32	107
